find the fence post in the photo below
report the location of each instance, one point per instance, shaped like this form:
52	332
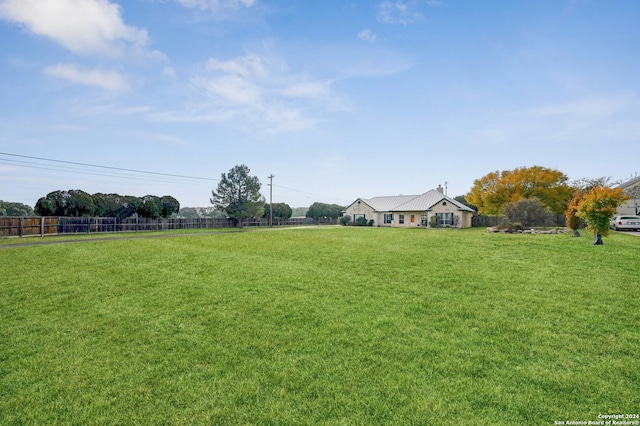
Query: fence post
21	231
42	226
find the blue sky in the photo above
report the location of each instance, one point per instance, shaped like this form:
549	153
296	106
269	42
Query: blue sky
338	99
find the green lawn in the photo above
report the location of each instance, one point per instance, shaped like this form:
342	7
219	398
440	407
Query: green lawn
332	325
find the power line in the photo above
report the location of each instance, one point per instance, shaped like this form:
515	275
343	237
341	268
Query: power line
87	172
310	193
152	176
109	167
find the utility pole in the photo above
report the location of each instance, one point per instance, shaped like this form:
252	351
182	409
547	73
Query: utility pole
271	176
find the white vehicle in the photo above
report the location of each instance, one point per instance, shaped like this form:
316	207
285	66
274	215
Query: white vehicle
625	222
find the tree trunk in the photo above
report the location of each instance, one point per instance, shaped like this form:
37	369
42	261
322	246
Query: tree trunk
576	233
598	240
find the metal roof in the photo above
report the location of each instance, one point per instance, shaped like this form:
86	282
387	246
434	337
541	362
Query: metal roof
631	182
385	204
412	203
427	200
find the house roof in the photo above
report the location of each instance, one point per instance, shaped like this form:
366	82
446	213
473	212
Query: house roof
406	203
631	182
385	204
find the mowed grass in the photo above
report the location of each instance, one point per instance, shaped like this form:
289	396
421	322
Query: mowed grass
334	325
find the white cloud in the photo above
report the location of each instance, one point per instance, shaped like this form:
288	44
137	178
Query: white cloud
87	109
257	93
247	66
376	65
593	108
232	88
8	169
367	35
105	79
399	12
171	140
216	4
283	119
82	26
588	123
169	72
235	80
64	127
307	89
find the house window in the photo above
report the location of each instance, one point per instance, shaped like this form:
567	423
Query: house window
445	219
401	219
388	218
358	216
413	218
425	218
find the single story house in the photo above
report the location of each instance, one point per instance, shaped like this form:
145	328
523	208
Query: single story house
406	211
632	189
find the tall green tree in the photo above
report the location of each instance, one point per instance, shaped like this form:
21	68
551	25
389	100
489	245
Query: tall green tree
238	194
106	204
280	211
151	207
66	203
80	203
53	204
128	205
8	208
463	200
319	211
197	212
169	205
597	208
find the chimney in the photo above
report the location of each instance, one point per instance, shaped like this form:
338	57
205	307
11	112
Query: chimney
439	189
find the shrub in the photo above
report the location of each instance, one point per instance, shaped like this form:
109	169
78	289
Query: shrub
528	212
515	226
344	220
361	221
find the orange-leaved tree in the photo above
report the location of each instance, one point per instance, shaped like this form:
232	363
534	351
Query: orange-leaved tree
493	192
574	222
597	208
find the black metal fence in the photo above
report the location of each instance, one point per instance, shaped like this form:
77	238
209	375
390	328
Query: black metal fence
53	225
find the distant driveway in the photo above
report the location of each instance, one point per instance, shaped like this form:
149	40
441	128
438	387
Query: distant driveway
636	233
37	241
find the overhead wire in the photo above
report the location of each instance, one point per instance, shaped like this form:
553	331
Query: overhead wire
37	166
148	175
309	193
107	167
32	165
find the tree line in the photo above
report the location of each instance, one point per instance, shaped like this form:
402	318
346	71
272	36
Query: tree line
8	208
238	195
524	195
76	202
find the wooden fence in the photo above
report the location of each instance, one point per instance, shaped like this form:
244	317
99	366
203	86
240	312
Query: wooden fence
54	225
